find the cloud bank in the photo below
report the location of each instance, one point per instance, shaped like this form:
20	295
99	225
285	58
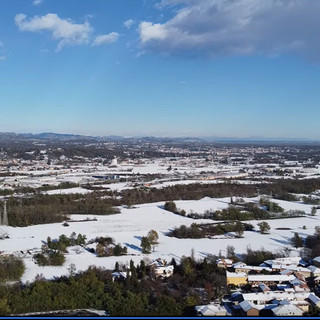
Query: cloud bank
235	27
65	31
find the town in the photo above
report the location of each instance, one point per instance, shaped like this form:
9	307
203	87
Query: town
251	210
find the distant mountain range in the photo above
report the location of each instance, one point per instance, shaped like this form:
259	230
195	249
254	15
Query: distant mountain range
48	136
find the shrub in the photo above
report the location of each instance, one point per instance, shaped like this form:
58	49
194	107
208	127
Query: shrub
264	227
170	206
119	251
11	268
50	259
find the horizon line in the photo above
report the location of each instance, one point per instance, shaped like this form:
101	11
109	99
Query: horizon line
203	137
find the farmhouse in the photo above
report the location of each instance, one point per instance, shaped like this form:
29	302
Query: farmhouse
224	263
162	269
250	309
236	278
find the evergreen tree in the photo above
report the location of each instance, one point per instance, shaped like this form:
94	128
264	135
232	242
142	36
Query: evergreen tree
81	239
264	227
297	241
239	229
230	252
145	245
153	238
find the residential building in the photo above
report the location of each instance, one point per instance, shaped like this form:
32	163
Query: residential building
236	279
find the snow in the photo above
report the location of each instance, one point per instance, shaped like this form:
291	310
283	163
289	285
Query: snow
119	186
68	191
200	206
130	225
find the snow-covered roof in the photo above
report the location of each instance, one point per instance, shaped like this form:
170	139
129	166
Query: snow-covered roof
255	268
287	310
210	310
167	267
289	260
223	261
284	302
159	263
314	299
247	305
287	271
296	282
314	269
270	277
271	295
119	274
303	263
239	265
316	259
283	286
296	268
282	262
263	287
236	275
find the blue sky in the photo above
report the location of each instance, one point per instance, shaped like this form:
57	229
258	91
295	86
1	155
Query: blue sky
164	68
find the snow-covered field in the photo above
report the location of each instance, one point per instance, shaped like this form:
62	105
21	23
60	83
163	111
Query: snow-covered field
130	225
200	206
68	191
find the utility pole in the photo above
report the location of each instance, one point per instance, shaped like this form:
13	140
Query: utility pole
271	203
5	215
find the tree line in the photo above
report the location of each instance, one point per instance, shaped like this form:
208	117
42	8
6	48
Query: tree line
41	209
280	188
197	231
137	295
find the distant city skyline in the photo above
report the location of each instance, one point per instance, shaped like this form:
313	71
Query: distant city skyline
240	139
198	68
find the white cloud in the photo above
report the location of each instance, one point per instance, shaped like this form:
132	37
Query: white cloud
2	58
64	30
152	32
128	23
140	54
235	27
105	39
37	2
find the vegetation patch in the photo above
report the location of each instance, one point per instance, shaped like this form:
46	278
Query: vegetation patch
41	209
136	295
106	247
197	191
11	268
197	231
52	253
